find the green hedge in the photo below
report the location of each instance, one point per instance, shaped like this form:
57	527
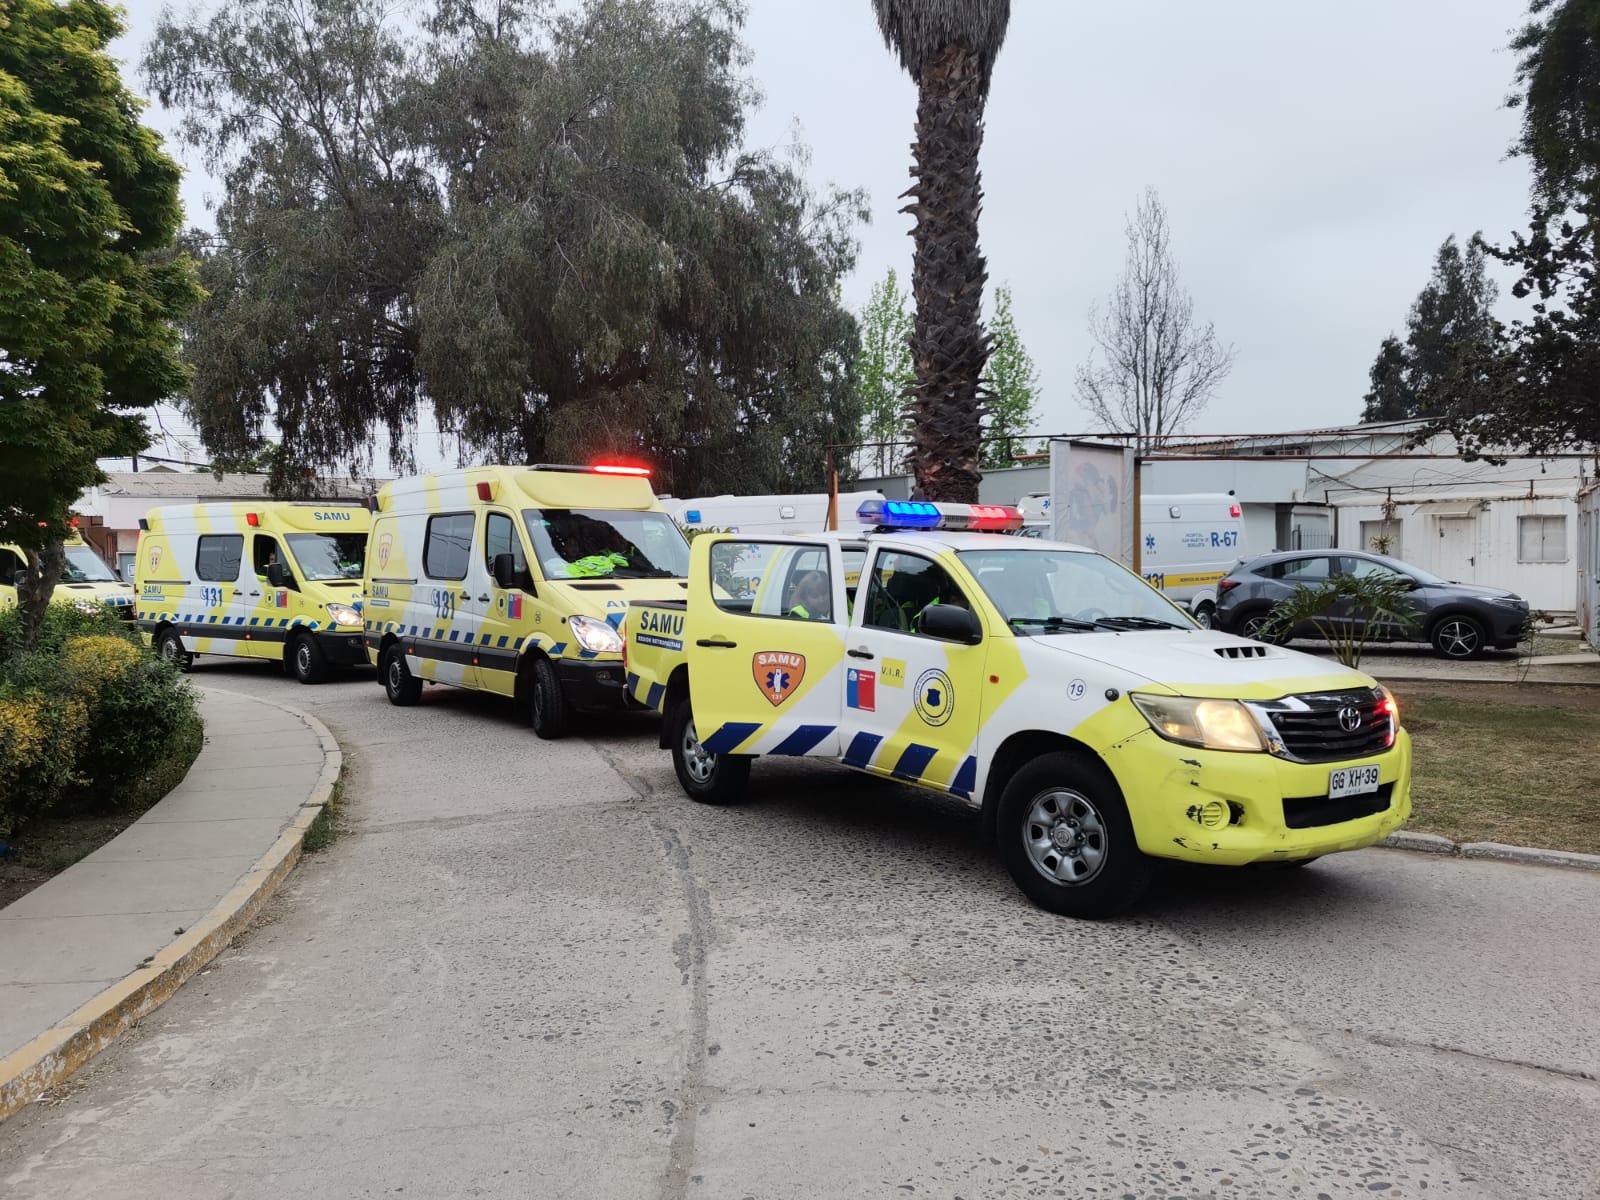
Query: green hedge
90	722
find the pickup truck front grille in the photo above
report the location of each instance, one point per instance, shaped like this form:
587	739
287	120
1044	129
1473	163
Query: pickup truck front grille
1332	726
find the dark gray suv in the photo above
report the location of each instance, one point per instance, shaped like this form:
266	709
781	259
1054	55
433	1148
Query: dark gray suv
1459	620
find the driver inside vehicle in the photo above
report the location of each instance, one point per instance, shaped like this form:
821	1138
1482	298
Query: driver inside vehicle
811	600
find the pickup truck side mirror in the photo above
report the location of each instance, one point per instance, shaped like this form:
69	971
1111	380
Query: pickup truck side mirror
279	575
506	575
950	623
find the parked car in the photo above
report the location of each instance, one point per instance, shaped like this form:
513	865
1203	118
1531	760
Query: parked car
1459	620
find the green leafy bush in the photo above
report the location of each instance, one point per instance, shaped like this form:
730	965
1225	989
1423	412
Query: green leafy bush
90	724
62	622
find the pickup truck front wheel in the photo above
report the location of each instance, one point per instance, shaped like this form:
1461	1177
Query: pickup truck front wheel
706	777
1066	839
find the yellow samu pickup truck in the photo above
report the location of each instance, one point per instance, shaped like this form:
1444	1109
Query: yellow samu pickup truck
1093	722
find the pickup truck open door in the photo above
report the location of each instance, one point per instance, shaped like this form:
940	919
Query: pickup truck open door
766	620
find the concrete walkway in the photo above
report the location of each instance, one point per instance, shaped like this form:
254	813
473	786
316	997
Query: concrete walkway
108	939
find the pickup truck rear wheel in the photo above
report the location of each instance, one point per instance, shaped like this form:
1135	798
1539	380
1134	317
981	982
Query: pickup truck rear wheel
707	777
1066	838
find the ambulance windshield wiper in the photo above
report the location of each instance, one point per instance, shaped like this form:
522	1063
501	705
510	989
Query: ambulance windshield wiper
1135	623
1053	623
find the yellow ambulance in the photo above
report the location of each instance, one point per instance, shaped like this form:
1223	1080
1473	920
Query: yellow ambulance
86	582
514	580
275	580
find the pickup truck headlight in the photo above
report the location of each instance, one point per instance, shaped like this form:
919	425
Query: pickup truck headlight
343	614
595	636
1209	724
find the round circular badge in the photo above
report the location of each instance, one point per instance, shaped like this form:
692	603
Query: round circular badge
935	698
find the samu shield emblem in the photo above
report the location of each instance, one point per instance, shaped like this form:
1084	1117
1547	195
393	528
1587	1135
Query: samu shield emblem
778	673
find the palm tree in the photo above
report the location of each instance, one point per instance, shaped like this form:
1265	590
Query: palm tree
949	47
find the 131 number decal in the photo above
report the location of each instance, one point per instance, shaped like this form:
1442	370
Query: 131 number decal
210	596
444	604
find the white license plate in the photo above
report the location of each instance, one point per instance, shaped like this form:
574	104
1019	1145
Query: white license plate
1352	781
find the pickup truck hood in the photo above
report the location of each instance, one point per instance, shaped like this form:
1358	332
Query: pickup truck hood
1205	663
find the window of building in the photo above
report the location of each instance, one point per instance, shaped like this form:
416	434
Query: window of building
449	546
1542	539
218	557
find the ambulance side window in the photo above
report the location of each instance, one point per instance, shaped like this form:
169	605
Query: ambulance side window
902	585
218	557
11	565
449	546
500	537
264	553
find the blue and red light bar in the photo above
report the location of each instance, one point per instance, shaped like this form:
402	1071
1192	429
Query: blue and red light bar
951	518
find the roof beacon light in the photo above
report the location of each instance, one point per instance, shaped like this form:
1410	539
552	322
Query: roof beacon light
619	469
485	490
1234	511
922	514
252	520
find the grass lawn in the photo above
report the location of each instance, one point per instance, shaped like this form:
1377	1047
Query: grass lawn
1490	770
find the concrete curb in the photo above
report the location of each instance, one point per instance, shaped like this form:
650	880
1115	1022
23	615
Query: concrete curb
27	1073
1432	843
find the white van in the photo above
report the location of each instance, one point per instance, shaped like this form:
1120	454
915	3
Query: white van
1190	542
766	514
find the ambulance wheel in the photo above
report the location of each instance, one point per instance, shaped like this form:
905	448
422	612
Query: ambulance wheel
402	687
170	647
304	659
706	777
1206	615
1066	838
547	703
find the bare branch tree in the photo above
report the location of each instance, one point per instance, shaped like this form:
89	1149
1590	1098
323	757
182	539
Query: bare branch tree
1156	367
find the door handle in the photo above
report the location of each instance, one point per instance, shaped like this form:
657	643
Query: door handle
717	643
255	593
484	599
859	653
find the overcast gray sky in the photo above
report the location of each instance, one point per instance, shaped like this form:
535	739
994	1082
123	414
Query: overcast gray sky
1311	157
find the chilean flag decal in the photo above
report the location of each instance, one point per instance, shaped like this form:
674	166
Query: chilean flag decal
514	606
281	600
861	689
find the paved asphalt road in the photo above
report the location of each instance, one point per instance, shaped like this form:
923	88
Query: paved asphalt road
536	970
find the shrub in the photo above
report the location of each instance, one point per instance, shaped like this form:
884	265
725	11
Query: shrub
88	723
39	737
135	714
62	622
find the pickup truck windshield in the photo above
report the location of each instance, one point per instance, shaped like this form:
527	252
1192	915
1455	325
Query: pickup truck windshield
1066	591
572	543
85	566
329	555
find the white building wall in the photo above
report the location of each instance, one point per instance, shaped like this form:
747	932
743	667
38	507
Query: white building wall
1483	547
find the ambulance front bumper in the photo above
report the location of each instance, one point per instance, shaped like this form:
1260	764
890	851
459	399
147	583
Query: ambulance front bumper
1212	806
343	649
594	686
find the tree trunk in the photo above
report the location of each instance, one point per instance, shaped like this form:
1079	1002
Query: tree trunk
948	344
35	587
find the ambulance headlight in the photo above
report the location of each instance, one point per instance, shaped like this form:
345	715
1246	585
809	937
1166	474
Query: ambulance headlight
88	607
595	636
1209	724
343	614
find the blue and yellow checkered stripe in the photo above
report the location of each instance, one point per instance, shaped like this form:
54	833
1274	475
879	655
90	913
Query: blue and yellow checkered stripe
156	615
